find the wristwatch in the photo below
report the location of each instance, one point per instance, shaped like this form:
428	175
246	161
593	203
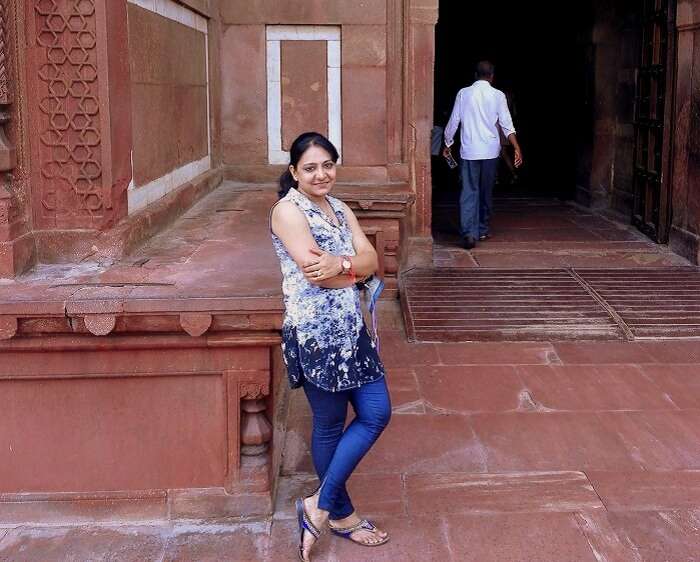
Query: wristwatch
346	264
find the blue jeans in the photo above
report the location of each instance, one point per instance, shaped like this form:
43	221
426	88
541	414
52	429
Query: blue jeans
337	450
478	177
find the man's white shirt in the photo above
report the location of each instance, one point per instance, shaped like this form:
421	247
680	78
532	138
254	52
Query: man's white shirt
480	109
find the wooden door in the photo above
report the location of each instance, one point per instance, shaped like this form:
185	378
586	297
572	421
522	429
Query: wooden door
652	120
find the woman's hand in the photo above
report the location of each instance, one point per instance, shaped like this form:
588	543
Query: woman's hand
322	266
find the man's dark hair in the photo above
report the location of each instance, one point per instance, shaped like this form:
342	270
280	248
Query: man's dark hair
484	69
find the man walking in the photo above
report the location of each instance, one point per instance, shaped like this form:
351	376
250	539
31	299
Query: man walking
480	109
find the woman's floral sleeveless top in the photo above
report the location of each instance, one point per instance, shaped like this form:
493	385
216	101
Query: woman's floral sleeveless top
321	326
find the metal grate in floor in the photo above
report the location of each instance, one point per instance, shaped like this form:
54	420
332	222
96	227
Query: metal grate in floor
651	302
452	304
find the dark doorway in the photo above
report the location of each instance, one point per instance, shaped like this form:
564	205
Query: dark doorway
573	83
533	58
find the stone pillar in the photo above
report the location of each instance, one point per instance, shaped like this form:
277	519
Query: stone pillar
685	226
14	256
256	431
418	102
249	431
7	151
394	90
256	435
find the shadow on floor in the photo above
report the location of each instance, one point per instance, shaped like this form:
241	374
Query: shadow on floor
531	233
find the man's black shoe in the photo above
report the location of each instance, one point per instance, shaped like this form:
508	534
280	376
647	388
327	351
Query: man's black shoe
468	242
484	236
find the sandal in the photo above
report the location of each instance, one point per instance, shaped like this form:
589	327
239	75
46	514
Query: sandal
346	532
305	524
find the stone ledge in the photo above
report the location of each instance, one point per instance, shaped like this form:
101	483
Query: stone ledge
388	200
245	328
141	226
64	246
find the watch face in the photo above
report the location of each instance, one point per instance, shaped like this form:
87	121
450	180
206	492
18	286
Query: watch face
347	264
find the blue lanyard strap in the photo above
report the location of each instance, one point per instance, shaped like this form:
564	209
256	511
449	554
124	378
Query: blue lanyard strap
374	287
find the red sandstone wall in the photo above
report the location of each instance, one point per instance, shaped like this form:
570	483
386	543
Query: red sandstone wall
685	229
304	89
109	419
387	56
364	95
169	94
77	104
363	79
243	94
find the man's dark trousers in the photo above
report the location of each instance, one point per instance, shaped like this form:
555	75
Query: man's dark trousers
478	177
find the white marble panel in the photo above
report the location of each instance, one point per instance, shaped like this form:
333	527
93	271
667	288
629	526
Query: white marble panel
335	115
274	116
173	11
303	32
149	5
140	197
278	157
333	54
277	33
274	71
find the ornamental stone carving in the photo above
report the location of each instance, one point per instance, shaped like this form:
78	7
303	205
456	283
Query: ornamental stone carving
7	152
253	390
256	430
100	324
8	327
5	93
69	128
195	323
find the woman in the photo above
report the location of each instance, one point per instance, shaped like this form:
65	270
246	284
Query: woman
327	348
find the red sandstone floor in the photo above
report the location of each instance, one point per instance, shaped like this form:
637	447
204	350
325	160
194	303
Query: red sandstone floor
557	452
547	233
496	452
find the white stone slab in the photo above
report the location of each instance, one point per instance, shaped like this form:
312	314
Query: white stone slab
333	48
277	33
303	32
274	116
335	111
140	197
175	12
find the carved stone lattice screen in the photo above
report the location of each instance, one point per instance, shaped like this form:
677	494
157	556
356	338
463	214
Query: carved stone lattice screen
67	96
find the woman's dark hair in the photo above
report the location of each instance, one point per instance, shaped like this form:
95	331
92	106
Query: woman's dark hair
300	145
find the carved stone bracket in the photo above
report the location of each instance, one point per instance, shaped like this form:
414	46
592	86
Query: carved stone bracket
253	390
8	327
100	324
8	209
256	431
195	323
250	432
